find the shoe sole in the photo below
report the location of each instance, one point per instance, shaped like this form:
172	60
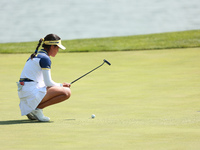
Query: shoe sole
31	116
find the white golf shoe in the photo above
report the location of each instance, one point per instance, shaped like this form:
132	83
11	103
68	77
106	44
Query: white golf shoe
38	114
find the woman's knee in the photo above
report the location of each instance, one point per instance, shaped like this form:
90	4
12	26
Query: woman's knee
67	92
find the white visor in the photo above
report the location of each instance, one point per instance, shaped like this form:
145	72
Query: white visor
61	46
57	42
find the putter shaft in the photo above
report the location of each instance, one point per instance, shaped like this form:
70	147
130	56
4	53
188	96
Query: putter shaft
86	73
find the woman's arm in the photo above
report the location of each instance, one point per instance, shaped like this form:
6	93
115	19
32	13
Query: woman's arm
47	78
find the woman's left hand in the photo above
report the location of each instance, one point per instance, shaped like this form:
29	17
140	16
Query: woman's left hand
66	85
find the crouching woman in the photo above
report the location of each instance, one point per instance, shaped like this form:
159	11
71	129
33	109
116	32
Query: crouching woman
36	89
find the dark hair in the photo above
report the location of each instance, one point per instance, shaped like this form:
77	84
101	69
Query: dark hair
49	37
33	55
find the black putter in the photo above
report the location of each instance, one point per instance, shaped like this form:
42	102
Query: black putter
104	61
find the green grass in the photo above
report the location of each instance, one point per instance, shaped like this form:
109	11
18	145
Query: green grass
184	39
145	100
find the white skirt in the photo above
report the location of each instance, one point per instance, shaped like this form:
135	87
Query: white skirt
30	96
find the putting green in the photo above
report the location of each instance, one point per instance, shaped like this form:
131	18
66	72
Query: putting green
145	100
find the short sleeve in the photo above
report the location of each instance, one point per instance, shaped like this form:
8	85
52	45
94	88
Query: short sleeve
45	63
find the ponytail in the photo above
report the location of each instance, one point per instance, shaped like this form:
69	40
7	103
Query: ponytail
34	54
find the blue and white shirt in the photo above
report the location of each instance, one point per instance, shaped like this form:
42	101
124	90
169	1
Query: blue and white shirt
38	69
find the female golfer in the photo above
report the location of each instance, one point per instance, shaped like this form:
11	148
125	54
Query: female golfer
36	89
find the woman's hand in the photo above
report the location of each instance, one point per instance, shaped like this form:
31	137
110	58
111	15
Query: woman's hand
66	85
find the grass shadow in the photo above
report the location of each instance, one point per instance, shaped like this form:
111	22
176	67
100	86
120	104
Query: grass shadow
12	122
70	119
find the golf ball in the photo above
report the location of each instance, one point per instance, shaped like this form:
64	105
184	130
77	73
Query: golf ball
93	116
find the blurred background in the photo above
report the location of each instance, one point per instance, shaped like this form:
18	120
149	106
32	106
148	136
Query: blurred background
23	20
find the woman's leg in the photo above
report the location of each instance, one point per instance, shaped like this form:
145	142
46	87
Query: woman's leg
55	95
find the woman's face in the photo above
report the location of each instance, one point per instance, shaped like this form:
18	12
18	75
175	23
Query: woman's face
53	50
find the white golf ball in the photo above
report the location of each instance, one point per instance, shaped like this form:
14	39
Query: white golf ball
93	116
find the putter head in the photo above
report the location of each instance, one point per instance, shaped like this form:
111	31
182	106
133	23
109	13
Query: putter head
107	62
